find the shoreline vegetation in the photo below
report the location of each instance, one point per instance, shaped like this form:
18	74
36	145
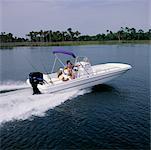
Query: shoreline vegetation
69	37
71	43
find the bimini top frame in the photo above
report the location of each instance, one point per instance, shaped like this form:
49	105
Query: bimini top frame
55	52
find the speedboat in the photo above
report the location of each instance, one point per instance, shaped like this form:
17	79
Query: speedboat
86	75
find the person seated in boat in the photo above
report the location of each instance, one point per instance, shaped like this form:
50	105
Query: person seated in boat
66	73
69	68
72	69
75	71
63	77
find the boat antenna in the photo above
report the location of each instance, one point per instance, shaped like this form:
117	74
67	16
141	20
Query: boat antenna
46	72
30	63
37	69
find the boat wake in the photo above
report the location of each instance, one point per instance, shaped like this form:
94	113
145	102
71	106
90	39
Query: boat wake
20	104
12	86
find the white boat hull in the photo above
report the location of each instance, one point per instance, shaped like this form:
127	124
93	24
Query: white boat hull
101	74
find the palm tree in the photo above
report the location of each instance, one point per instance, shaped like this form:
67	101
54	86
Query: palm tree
41	33
46	36
50	35
132	33
64	35
107	31
31	35
70	33
77	33
9	37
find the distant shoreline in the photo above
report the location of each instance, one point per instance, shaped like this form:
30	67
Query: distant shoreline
72	43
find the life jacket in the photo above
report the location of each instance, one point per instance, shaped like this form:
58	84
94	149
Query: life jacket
65	75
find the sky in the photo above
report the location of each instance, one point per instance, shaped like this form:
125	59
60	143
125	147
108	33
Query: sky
87	16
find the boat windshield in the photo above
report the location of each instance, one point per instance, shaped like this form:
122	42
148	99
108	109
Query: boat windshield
82	59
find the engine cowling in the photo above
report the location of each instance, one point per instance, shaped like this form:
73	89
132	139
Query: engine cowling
36	78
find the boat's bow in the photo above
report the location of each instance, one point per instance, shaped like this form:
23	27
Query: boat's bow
111	67
120	66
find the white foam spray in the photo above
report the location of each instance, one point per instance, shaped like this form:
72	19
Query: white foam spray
21	104
12	85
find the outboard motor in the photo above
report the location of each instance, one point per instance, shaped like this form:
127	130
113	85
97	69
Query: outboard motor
36	78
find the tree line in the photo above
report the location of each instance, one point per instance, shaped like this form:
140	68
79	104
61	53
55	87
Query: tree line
70	35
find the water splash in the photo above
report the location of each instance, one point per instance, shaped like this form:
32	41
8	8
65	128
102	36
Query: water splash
21	104
12	86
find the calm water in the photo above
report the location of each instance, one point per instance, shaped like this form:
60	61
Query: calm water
114	115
